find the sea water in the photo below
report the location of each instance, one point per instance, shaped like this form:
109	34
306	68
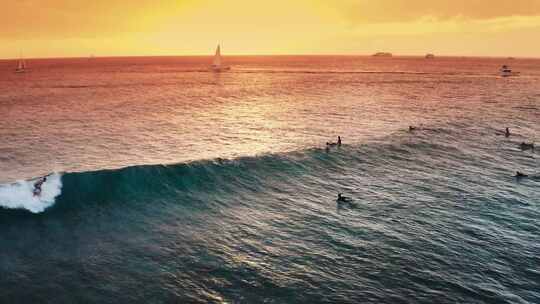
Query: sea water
172	184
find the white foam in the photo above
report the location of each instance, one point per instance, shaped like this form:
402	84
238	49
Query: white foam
20	195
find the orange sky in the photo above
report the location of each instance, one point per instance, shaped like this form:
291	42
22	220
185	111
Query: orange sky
57	28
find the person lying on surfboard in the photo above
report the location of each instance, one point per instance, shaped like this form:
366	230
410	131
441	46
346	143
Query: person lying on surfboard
526	146
520	175
341	198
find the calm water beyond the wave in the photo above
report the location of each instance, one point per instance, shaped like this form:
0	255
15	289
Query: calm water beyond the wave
171	184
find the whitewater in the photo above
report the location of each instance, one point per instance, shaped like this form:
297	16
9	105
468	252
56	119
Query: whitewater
21	194
172	184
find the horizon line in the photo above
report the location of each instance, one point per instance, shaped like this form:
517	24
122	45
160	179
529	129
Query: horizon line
269	55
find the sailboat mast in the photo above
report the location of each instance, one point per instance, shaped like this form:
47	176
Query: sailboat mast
217	57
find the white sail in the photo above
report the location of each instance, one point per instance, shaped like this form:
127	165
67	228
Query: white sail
217	58
22	65
217	65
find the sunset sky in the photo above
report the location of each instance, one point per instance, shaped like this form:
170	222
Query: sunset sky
59	28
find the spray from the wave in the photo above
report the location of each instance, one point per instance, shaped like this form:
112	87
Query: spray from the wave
20	195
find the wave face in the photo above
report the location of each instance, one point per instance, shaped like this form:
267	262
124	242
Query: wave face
402	154
157	181
20	195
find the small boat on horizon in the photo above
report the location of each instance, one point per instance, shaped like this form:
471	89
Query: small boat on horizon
216	64
506	71
21	66
382	54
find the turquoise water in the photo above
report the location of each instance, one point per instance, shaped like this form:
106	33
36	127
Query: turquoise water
171	184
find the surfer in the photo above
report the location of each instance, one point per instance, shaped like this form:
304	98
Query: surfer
38	184
507	132
526	146
333	144
343	199
520	175
411	128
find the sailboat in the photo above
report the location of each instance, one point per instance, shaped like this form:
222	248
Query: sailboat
21	66
216	64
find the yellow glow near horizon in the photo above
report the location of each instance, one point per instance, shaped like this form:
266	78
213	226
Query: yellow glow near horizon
56	28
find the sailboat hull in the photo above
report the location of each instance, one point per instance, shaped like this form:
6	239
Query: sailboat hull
509	74
21	66
219	69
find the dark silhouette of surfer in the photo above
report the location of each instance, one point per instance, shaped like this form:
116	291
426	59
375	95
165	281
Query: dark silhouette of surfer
520	175
333	144
507	132
526	146
38	184
343	199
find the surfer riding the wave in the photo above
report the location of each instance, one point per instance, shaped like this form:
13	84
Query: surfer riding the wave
38	184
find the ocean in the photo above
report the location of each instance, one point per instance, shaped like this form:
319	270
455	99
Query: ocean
172	184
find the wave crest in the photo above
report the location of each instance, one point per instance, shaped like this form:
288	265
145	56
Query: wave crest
19	195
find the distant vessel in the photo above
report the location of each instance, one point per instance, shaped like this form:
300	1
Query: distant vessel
216	64
21	66
430	56
382	54
506	71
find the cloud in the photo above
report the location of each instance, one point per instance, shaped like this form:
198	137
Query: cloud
430	25
369	11
29	19
33	19
124	27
